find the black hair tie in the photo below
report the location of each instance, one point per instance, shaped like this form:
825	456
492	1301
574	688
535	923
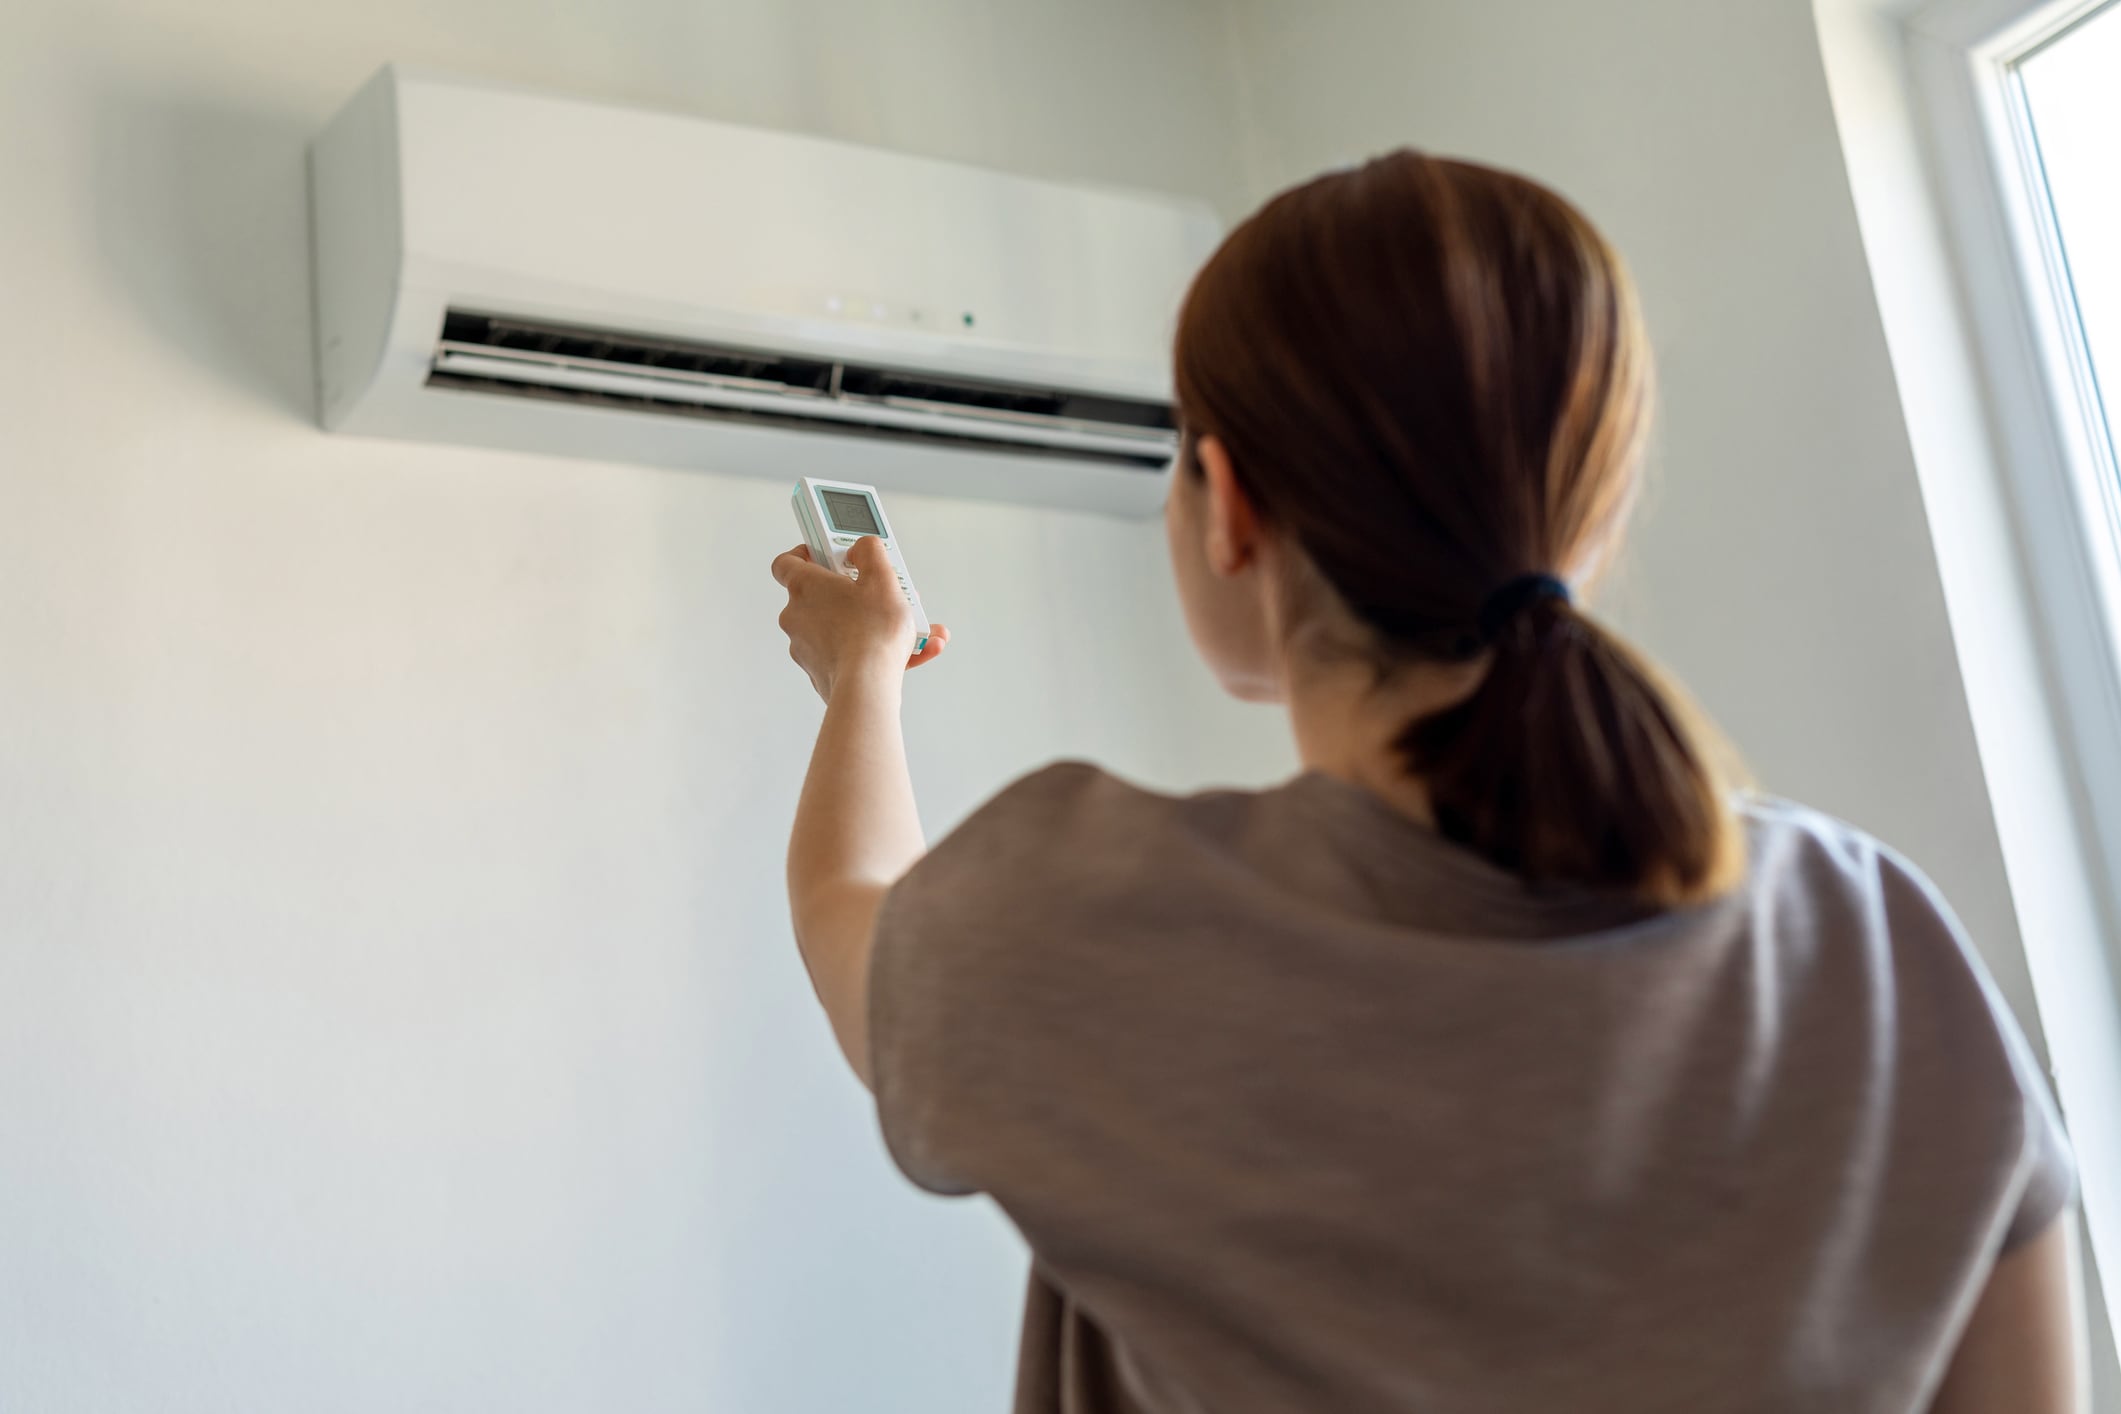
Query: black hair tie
1505	604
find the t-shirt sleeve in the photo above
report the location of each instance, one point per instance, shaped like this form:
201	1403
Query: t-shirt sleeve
962	972
2046	1178
2050	1169
2047	1170
2051	1183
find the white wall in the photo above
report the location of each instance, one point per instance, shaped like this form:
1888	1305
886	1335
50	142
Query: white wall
397	1009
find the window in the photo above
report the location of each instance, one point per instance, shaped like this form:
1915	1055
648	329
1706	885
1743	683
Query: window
2069	92
2024	100
2046	86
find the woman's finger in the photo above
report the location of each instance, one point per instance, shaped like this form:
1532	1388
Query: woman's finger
938	639
790	563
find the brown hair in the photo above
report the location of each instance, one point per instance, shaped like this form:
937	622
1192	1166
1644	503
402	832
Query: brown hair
1434	378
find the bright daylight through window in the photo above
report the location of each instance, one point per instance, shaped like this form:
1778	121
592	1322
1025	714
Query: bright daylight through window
2072	95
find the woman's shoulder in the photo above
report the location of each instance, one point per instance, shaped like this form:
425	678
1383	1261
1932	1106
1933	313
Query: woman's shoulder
1070	785
1801	851
1860	931
1075	783
1858	927
1098	815
1839	898
1072	847
1774	823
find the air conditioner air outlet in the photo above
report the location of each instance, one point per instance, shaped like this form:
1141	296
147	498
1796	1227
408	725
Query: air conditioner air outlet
521	357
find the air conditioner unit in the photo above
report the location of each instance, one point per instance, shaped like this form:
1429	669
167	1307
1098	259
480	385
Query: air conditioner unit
516	270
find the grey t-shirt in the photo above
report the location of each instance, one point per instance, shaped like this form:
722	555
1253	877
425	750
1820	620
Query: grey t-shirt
1301	1107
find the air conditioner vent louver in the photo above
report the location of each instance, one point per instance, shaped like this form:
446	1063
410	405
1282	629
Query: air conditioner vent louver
496	354
565	342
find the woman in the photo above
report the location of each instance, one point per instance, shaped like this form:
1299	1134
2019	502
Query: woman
1504	1060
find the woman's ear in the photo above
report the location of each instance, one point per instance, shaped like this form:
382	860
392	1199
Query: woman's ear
1233	524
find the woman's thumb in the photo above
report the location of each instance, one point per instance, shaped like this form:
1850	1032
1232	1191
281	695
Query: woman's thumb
869	553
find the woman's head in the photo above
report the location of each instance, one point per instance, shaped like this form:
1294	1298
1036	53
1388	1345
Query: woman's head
1420	386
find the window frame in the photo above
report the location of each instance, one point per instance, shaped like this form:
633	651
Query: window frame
2044	403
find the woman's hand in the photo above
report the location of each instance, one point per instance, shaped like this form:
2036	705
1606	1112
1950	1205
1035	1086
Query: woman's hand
838	626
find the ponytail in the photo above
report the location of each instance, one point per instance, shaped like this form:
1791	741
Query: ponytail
1429	375
1573	763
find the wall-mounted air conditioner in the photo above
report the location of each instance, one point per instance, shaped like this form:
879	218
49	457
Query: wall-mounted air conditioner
517	270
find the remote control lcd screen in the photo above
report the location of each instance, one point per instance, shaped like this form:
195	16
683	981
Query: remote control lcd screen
852	513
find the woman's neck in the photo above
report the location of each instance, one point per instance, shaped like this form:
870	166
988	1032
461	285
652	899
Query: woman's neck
1347	722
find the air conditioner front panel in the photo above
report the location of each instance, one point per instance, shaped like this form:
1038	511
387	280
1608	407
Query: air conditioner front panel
777	227
432	194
